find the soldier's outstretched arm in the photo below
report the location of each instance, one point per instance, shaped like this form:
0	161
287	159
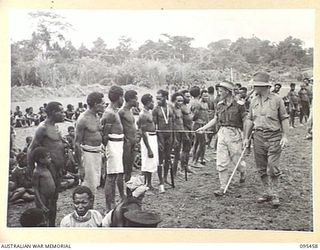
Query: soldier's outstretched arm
211	123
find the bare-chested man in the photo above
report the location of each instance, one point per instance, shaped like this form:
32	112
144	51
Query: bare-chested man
130	133
88	142
199	109
149	145
187	125
162	117
211	112
113	140
177	125
48	136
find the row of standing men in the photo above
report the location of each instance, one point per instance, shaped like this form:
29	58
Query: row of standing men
166	127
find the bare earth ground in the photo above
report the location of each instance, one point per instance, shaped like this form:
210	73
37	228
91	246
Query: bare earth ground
192	204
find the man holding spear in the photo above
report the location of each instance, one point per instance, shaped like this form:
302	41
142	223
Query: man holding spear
230	117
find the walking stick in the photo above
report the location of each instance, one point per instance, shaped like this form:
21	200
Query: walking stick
186	173
171	174
237	165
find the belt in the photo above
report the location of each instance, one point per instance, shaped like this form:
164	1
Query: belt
89	151
152	133
229	126
266	130
115	139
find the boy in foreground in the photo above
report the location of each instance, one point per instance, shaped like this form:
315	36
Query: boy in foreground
44	185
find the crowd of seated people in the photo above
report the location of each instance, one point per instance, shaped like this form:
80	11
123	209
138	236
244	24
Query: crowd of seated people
20	175
30	118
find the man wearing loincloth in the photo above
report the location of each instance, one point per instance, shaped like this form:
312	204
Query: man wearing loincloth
47	135
187	125
211	112
130	133
162	117
112	134
149	145
88	142
199	108
177	125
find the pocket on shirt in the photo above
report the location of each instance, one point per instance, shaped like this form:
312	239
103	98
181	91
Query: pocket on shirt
234	117
272	112
254	111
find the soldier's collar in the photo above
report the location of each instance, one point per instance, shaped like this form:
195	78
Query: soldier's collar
224	102
268	96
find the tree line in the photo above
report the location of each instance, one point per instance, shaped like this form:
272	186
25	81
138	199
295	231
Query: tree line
49	59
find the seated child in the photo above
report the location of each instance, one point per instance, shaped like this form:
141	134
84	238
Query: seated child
20	185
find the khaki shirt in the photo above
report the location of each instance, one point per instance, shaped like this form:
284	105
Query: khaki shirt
231	115
304	95
267	113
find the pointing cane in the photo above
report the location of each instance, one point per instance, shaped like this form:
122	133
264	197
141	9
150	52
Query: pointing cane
237	165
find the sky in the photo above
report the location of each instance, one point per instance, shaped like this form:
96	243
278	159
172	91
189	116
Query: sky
204	26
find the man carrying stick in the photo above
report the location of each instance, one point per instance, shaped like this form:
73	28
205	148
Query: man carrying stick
268	117
230	116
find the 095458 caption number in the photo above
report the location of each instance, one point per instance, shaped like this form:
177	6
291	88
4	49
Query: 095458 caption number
307	246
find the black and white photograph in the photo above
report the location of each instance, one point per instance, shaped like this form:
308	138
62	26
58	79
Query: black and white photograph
184	119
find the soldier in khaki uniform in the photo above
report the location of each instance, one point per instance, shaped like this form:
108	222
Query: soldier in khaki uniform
230	116
269	119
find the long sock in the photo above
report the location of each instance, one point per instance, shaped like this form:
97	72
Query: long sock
223	177
274	185
266	183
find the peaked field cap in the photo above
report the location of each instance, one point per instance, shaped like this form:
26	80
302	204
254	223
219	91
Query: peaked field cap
227	85
261	79
142	218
